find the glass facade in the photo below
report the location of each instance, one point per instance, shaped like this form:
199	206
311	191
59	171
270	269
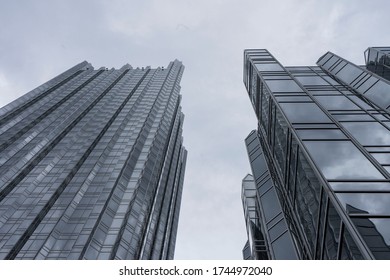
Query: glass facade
378	61
371	81
324	136
268	234
92	166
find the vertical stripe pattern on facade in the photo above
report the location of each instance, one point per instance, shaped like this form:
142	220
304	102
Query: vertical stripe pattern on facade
92	165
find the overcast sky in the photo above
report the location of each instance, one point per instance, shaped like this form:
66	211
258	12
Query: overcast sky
41	39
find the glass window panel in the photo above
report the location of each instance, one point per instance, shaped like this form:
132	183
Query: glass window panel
257	51
338	66
336	103
293	98
353	117
299	68
280	147
259	166
270	203
315	126
379	93
324	92
328	63
322	223
265	109
271	138
361	79
372	56
321	134
365	203
331	81
283	86
283	248
382	117
332	234
305	74
275	220
260	57
268	67
387	168
252	145
312	80
367	84
361	102
325	58
378	149
304	113
368	133
292	168
253	91
349	73
376	234
340	159
382	158
265	186
360	186
307	199
277	229
276	76
349	249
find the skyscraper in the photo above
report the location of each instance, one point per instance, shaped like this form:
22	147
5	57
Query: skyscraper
320	158
92	166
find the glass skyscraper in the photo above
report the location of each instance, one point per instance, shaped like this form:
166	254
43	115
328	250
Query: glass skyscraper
92	166
320	158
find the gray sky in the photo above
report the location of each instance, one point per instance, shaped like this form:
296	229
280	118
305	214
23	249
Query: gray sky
41	39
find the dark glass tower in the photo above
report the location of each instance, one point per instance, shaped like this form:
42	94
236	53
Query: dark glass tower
320	158
92	166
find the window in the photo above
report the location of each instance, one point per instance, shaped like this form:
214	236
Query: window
360	186
380	93
376	233
312	80
304	113
268	67
349	73
336	103
271	206
338	160
382	158
332	234
349	249
306	134
283	86
365	203
369	133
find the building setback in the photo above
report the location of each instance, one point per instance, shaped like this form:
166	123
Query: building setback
92	166
320	158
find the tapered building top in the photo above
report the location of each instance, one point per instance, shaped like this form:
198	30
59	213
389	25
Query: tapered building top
92	166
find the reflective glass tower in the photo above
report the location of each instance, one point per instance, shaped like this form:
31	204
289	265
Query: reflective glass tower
320	158
92	166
